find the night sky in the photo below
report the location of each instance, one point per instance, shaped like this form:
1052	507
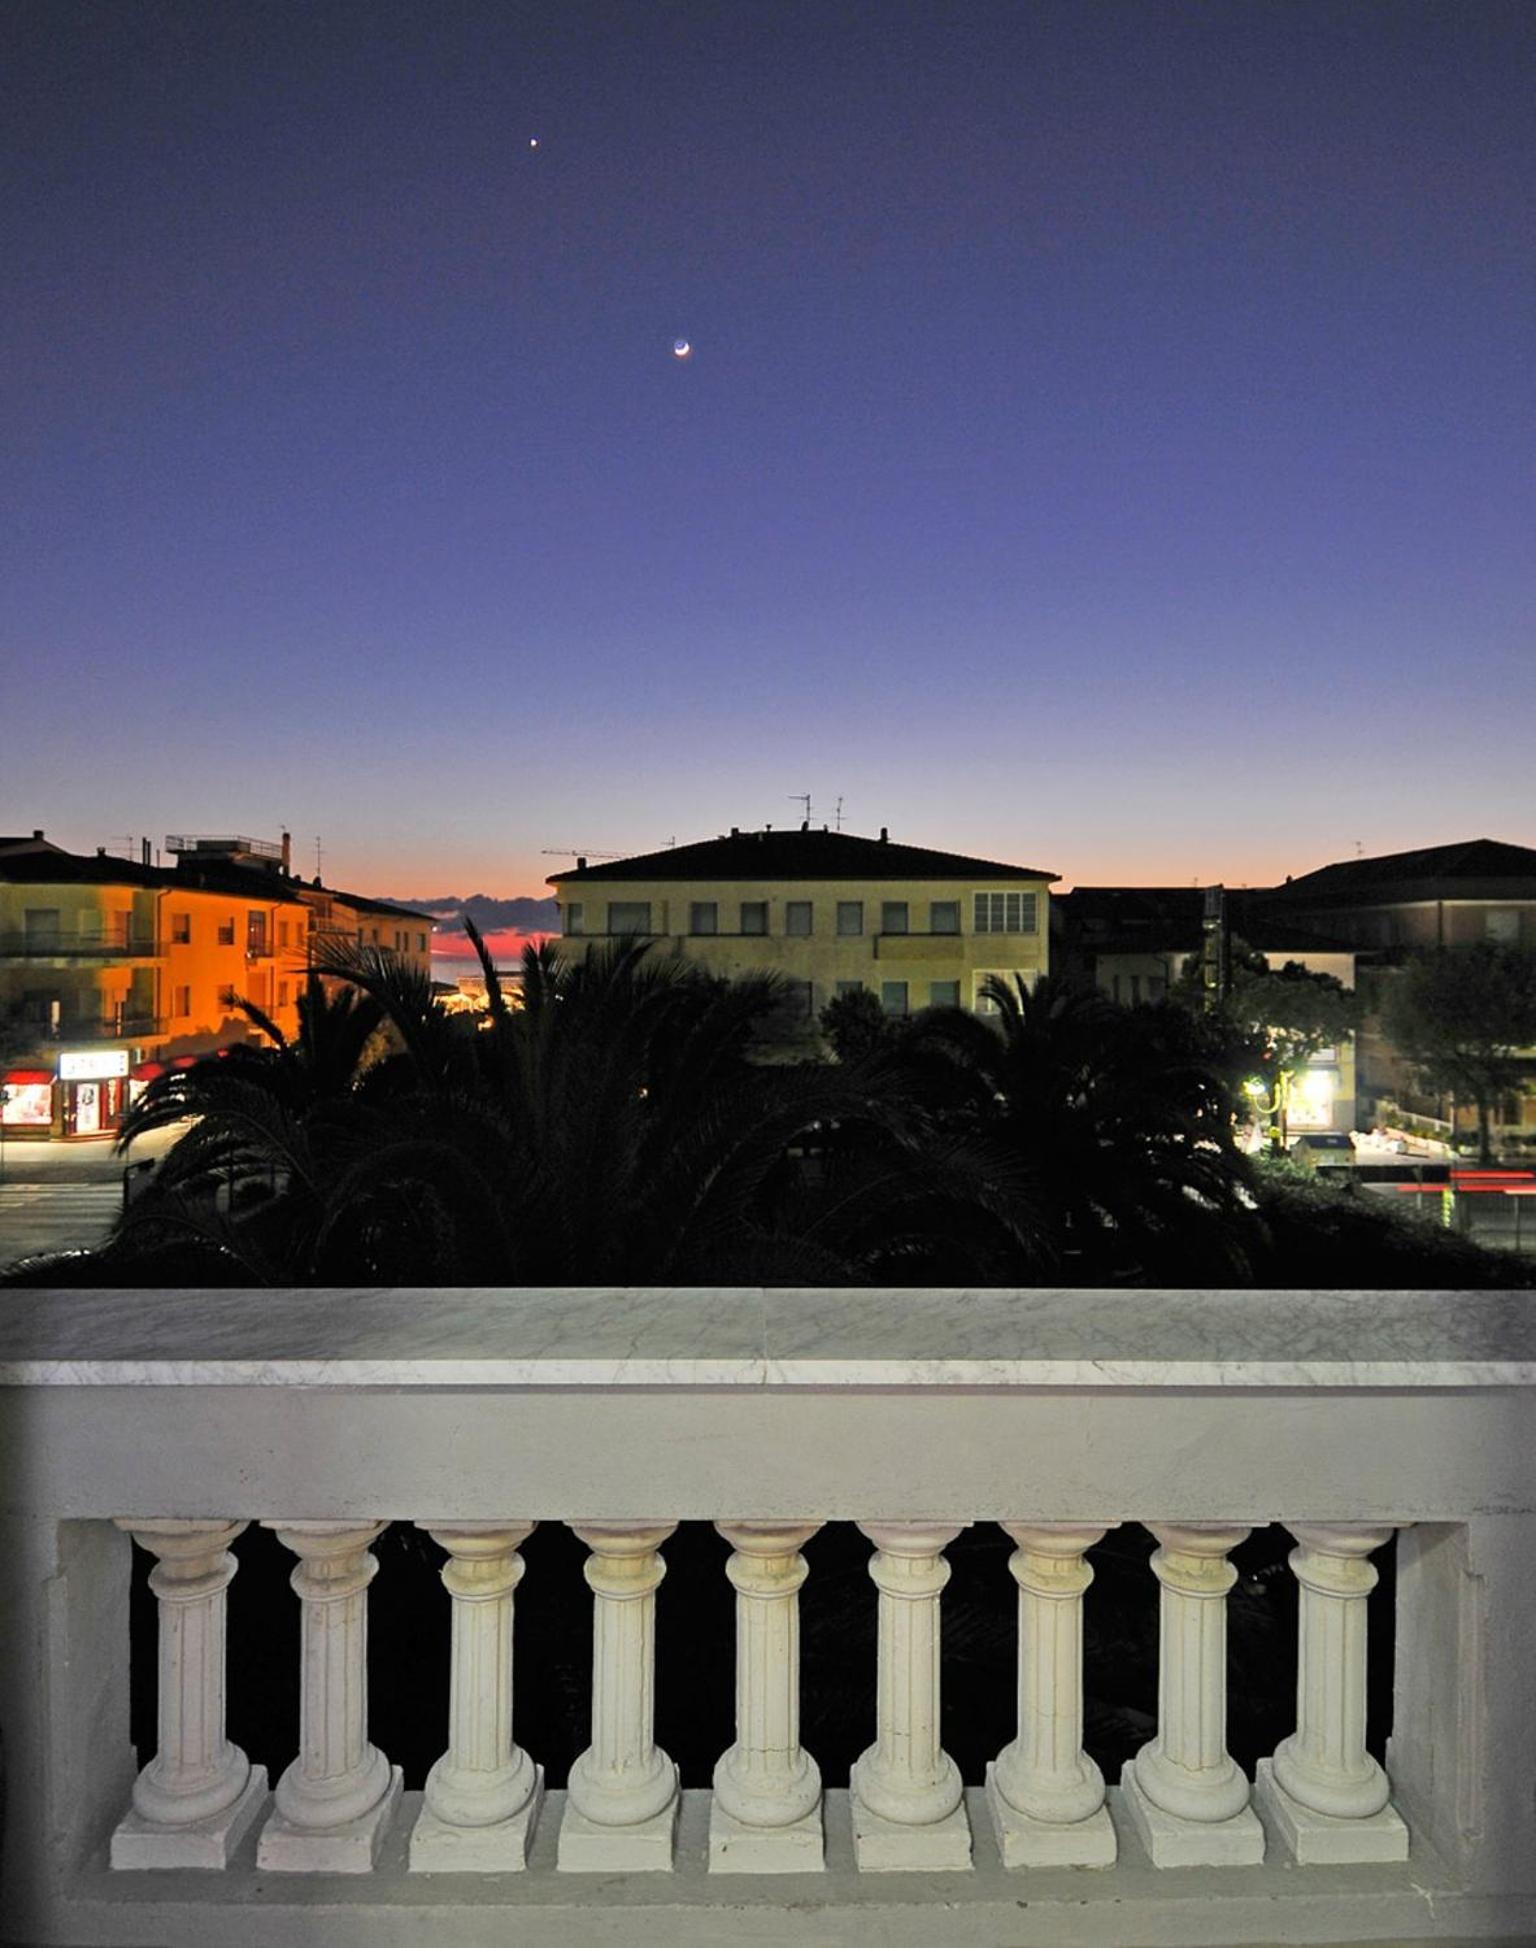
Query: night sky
1107	445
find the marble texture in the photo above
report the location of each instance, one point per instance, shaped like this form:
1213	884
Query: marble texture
489	1338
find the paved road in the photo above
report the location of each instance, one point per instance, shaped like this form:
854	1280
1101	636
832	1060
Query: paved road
55	1217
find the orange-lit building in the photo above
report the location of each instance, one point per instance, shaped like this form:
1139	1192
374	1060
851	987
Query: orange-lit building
112	970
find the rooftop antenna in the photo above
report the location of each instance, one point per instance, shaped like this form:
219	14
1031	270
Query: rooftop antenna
1359	850
838	816
579	852
803	798
318	856
127	840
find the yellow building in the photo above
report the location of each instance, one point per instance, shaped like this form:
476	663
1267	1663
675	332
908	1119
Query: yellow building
828	911
112	970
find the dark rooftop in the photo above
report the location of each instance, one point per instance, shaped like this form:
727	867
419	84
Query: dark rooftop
1128	919
797	854
1471	869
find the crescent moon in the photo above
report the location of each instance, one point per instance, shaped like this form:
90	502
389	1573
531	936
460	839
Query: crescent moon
682	349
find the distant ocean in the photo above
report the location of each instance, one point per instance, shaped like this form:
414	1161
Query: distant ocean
453	957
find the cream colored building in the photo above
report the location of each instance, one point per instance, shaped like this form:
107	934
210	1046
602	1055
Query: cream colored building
828	911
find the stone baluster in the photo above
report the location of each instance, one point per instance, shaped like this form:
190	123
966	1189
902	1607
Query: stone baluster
908	1810
1323	1791
1045	1794
1185	1793
199	1795
482	1796
334	1802
622	1798
766	1815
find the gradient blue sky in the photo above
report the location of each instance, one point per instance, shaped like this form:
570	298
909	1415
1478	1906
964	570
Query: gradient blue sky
1109	443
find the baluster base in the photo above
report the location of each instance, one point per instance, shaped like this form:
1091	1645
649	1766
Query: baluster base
1320	1840
888	1846
736	1848
1026	1842
1174	1842
644	1848
352	1848
139	1842
438	1847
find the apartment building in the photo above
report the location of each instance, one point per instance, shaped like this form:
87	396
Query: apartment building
1132	943
112	970
831	912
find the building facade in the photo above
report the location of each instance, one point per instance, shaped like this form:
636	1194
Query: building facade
829	912
112	970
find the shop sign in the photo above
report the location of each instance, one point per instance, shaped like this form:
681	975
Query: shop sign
93	1067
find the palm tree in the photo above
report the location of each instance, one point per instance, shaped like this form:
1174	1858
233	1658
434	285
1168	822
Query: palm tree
1121	1126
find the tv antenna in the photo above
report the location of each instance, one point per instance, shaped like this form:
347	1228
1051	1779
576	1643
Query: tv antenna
838	814
319	856
580	852
802	798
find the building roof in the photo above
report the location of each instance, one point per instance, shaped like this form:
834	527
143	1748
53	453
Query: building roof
1169	919
27	842
363	905
795	854
1472	869
51	868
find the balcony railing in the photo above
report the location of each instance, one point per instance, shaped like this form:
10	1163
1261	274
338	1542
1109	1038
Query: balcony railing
96	1028
74	943
471	1416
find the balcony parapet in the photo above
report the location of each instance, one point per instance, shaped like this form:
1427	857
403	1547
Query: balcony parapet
914	1414
76	944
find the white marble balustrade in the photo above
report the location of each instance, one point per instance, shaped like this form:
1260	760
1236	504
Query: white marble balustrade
910	1415
1184	1797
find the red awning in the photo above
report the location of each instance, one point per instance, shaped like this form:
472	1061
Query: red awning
20	1076
147	1071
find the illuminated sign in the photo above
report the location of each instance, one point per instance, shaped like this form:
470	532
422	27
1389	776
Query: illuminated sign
95	1067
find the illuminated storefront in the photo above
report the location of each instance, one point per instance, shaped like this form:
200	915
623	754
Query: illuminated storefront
93	1086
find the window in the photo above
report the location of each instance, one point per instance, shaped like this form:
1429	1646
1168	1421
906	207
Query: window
629	916
850	917
181	1001
893	997
282	994
574	917
797	917
893	916
181	928
282	933
754	916
850	987
421	943
226	999
944	916
1005	912
943	994
704	917
226	933
256	931
1502	923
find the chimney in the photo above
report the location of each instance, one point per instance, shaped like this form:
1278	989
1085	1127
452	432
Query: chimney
806	826
37	831
144	857
581	864
885	836
287	854
101	852
735	832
